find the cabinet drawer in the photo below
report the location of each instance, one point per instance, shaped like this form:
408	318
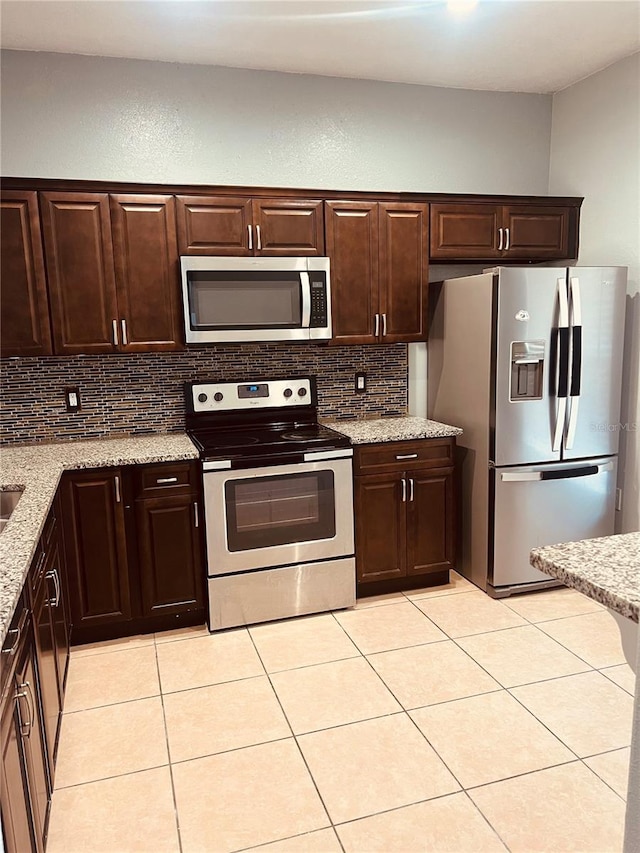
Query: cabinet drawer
16	633
153	481
404	455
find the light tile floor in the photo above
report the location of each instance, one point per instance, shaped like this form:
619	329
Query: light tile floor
439	720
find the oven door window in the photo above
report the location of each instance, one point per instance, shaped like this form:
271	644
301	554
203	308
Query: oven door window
245	300
265	512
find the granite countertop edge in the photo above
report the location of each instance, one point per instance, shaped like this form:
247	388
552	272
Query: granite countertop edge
403	428
606	569
36	469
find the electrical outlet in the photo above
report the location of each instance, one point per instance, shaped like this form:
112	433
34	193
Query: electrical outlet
72	399
361	382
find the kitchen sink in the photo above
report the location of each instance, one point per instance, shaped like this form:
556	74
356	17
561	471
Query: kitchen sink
8	502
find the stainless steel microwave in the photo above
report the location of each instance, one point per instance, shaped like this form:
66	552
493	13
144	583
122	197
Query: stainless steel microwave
241	300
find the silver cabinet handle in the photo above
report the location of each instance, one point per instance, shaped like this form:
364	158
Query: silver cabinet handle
196	516
25	692
116	483
376	326
500	239
114	330
508	240
250	232
18	632
259	238
404	490
384	325
53	574
411	489
162	480
400	456
125	339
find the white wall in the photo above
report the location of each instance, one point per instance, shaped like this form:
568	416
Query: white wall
85	117
595	153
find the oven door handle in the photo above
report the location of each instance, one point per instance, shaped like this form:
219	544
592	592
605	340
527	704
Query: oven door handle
305	284
323	455
216	465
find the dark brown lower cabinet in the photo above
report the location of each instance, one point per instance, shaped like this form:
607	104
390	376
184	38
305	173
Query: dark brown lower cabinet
133	549
26	790
404	517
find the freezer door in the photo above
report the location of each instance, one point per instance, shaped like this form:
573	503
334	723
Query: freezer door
526	408
597	298
546	505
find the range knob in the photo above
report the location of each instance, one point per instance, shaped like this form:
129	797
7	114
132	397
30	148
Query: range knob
302	392
218	396
288	392
202	398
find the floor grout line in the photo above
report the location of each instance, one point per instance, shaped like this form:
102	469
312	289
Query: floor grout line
166	735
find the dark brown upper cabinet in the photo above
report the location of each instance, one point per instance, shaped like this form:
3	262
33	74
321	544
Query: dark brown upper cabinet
112	264
24	309
147	279
79	258
379	265
220	225
487	232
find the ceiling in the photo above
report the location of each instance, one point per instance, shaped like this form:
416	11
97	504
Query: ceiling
508	45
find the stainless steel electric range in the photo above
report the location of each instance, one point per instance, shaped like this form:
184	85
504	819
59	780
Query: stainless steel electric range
278	501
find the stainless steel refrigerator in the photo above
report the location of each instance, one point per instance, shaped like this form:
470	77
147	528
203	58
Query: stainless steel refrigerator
528	361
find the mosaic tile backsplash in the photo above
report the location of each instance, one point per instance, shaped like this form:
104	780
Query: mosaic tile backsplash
143	393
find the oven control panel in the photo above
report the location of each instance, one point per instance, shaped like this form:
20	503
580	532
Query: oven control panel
233	396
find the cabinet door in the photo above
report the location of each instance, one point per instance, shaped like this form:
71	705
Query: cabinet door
47	666
24	309
33	739
79	261
214	225
170	557
14	794
380	527
95	548
59	608
352	246
537	232
404	280
430	522
464	231
147	278
288	227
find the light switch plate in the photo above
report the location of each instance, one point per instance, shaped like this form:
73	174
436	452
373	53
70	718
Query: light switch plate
361	382
72	399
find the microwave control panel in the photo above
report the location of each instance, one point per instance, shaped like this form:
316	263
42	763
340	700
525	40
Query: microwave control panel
318	302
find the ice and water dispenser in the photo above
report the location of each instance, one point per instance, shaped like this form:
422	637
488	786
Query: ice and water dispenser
527	367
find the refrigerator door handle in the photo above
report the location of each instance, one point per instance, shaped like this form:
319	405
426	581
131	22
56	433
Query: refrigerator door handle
557	474
563	362
576	359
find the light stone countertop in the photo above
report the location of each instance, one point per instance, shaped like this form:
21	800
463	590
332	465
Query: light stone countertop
378	430
36	470
606	569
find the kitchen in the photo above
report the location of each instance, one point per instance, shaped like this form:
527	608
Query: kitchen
132	121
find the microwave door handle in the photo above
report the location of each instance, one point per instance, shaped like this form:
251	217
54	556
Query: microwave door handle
306	300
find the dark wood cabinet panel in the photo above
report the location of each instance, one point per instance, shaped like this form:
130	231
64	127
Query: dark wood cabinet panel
404	248
352	245
147	277
288	227
213	225
537	232
24	308
79	262
430	522
96	549
464	231
14	795
380	528
170	557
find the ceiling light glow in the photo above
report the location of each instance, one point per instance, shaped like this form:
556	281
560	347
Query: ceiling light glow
461	8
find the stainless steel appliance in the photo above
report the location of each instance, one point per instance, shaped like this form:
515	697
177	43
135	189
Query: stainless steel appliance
528	361
278	501
256	299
